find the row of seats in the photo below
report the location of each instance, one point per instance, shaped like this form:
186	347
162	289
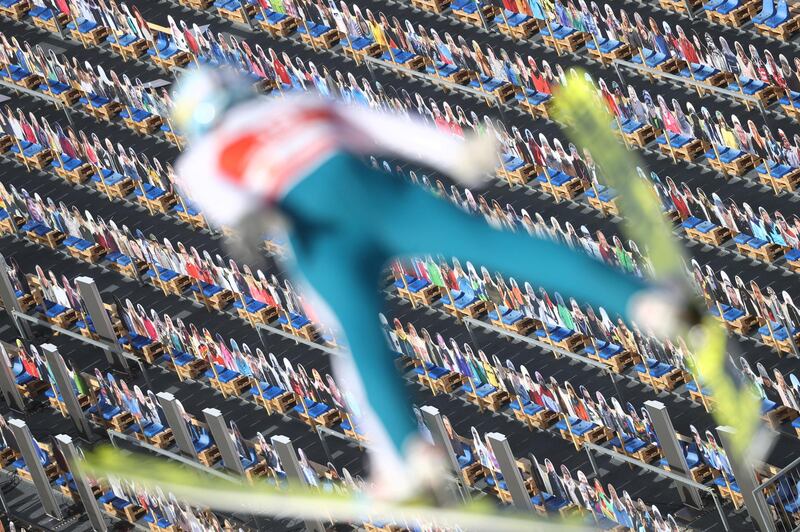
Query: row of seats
733	148
576	417
111	404
559	492
632	261
446	119
726	155
608	36
117	498
172	269
592	332
235	370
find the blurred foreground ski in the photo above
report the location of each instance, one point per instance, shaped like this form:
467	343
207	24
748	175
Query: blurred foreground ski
735	405
296	502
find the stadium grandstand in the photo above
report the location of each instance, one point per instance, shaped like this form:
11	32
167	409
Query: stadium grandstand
131	319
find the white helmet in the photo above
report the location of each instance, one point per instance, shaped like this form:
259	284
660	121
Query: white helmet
203	95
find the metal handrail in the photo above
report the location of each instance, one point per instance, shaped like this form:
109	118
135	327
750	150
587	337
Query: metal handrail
795	463
113	435
559	351
688	81
58	104
104	345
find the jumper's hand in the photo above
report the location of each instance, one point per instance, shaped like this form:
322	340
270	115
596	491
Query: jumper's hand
478	160
667	310
247	241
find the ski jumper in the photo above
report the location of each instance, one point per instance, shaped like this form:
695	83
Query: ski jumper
347	221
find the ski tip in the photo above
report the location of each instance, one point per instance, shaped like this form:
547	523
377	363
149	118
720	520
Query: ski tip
576	102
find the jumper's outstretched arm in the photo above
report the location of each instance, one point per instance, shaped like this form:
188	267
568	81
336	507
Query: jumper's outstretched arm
420	224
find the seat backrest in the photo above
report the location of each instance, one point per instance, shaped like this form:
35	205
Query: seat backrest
194	432
466	287
467	453
782	10
44	458
203	438
767	8
162	43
